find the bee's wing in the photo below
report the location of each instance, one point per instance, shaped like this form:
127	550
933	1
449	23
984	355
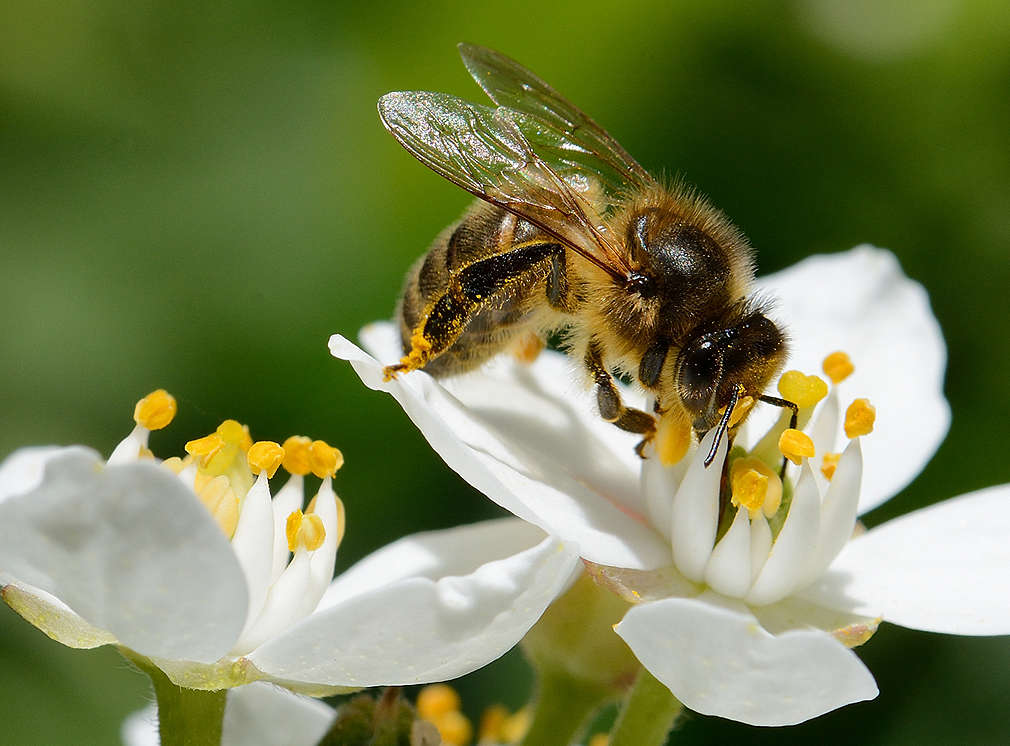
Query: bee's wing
557	128
484	151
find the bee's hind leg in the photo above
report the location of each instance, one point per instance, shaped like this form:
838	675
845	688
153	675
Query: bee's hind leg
612	409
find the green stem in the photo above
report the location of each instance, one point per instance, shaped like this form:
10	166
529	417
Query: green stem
647	715
563	706
186	717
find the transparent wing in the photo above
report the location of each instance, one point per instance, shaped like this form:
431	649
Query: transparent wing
560	131
485	151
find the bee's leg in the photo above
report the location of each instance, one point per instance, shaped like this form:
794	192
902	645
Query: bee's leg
478	286
612	409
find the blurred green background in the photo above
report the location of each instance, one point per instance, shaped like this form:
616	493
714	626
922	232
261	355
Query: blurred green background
195	195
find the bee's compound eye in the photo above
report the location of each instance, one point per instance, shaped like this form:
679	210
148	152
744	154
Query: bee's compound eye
700	368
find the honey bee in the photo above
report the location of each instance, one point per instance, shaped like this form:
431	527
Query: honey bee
570	234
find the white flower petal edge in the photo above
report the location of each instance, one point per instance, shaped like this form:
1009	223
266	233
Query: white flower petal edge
257	714
861	302
422	629
945	568
718	660
130	550
507	451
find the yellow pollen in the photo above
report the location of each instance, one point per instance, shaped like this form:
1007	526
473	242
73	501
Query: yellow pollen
235	433
306	530
838	366
803	390
673	435
796	445
859	418
437	699
156	410
324	459
218	497
492	723
296	455
205	448
454	727
755	487
265	455
829	464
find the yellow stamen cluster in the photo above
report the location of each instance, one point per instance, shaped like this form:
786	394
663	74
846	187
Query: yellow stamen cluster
829	464
439	704
859	418
796	445
204	449
296	455
304	529
838	366
755	486
803	390
324	459
673	435
265	455
156	410
235	433
498	726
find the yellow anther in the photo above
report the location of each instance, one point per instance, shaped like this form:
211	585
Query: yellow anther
492	724
838	366
437	699
265	455
306	530
324	459
218	497
796	445
235	433
156	410
517	726
296	455
755	486
673	435
829	464
803	390
205	448
174	464
454	727
859	418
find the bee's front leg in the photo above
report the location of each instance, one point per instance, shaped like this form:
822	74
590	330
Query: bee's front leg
612	409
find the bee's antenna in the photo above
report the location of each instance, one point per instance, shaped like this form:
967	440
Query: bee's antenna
723	425
785	404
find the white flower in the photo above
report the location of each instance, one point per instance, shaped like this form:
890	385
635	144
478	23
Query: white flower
751	627
258	714
187	564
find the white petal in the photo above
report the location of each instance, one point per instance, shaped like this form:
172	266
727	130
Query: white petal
287	500
288	601
695	514
794	547
417	630
729	568
719	661
257	714
838	511
253	542
861	302
132	551
531	452
939	569
53	617
22	470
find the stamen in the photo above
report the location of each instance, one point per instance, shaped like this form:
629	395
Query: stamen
174	464
265	455
673	435
755	486
437	699
802	389
324	459
218	497
235	433
206	448
838	366
796	445
156	410
829	464
297	459
492	724
304	529
859	418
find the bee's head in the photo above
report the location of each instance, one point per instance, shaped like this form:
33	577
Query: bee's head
747	349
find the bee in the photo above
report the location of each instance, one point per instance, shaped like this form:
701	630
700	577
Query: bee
570	234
